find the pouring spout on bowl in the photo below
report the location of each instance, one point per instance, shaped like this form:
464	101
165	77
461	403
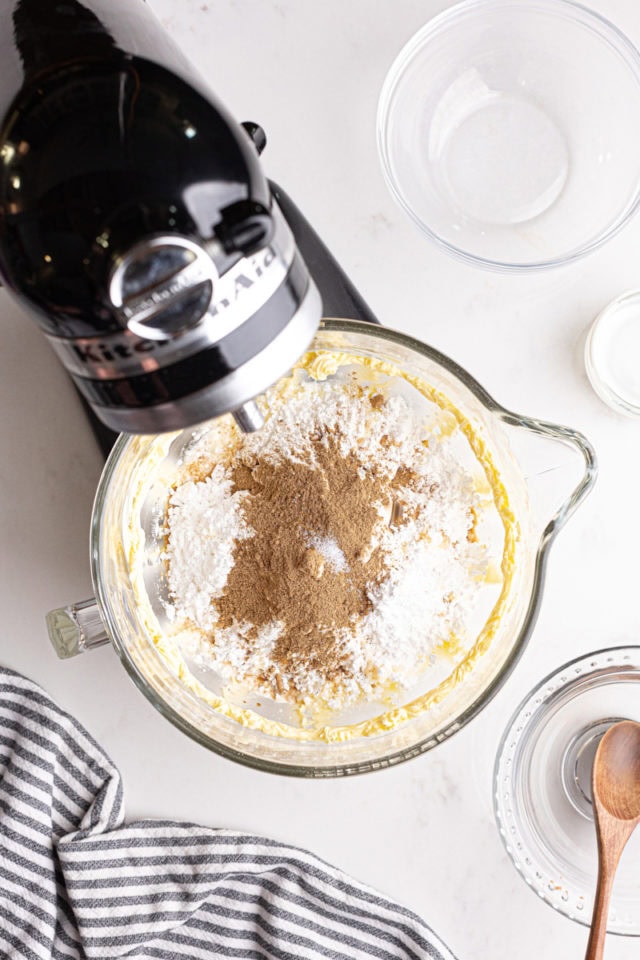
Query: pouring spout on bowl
560	468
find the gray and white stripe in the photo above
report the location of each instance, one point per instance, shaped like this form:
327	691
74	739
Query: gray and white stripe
75	882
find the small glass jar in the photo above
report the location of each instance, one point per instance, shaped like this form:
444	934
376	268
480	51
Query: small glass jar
612	354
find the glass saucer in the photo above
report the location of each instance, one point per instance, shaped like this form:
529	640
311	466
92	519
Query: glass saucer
543	785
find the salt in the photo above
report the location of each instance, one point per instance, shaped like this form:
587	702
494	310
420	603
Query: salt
329	548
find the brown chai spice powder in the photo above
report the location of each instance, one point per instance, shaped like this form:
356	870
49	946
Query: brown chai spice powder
278	575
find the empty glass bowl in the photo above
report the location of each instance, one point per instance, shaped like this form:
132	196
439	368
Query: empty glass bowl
508	131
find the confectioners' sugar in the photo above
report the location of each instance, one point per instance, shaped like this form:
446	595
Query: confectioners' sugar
237	655
337	409
206	522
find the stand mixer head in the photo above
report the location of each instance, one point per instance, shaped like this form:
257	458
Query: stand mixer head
136	223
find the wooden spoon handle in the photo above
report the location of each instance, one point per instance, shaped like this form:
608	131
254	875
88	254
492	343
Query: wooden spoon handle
595	947
612	838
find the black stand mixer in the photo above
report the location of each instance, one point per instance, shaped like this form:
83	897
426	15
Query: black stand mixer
173	280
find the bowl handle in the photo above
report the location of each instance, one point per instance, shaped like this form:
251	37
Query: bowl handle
76	628
539	472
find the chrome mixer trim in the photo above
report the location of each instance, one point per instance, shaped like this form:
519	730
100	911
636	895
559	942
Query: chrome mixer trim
232	391
239	293
248	417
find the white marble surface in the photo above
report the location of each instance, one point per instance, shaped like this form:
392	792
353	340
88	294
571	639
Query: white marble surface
423	832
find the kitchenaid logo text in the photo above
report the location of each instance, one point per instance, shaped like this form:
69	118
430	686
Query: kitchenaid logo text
238	294
183	281
110	351
241	282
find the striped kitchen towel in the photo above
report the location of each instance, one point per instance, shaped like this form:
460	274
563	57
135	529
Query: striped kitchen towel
76	882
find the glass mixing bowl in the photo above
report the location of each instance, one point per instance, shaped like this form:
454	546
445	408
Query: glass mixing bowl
507	131
546	470
543	785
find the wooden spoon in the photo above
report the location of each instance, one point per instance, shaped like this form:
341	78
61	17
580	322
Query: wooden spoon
616	804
